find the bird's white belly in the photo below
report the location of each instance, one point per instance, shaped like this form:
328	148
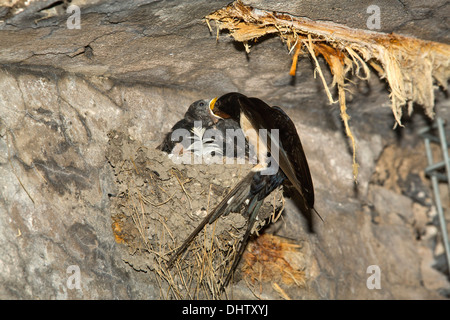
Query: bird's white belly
256	140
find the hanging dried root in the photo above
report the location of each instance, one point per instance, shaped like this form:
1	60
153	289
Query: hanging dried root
410	66
309	45
293	70
336	61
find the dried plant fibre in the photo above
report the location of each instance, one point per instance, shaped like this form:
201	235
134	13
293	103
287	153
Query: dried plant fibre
410	66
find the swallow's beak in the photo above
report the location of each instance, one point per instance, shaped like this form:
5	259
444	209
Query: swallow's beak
212	102
217	114
214	117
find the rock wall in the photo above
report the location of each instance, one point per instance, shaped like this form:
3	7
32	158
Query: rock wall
135	67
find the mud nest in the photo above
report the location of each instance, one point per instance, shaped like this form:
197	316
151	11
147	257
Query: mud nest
158	203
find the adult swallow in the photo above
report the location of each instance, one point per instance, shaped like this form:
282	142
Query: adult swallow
254	115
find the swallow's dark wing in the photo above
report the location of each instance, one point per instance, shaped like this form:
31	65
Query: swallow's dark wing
291	157
292	145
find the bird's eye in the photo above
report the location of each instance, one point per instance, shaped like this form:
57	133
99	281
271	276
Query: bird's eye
202	104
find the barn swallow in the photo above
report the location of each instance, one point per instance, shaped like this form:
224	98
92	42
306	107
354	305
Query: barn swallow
253	114
199	114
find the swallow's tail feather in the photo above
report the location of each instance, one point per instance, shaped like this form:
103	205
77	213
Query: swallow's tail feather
231	203
234	199
251	212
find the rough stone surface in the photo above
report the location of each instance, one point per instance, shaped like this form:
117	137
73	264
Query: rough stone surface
136	66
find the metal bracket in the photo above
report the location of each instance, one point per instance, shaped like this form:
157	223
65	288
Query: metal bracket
434	171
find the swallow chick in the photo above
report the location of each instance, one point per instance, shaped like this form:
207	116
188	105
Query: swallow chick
200	132
197	112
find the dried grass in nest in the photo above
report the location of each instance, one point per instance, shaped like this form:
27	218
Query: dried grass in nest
410	66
